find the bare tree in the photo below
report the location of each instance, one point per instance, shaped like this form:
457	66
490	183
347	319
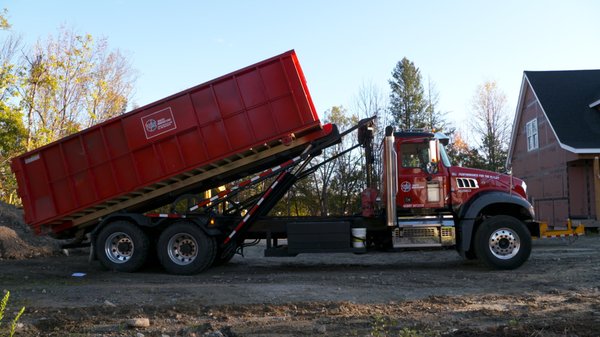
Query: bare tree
371	101
335	185
490	124
339	181
434	118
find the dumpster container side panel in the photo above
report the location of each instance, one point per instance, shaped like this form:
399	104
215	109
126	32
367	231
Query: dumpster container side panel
274	75
239	127
77	159
262	122
85	192
63	195
103	179
199	126
252	88
170	155
127	177
114	137
207	110
195	153
94	146
147	163
39	189
284	111
22	188
57	169
228	97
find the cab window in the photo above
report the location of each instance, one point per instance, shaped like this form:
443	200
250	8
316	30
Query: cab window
414	155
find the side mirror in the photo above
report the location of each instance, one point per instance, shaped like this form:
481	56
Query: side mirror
432	165
433	151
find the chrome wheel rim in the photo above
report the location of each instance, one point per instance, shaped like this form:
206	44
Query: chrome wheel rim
119	247
183	249
504	243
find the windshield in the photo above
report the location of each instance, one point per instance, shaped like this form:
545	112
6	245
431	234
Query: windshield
444	155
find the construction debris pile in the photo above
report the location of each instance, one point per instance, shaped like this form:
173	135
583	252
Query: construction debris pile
17	240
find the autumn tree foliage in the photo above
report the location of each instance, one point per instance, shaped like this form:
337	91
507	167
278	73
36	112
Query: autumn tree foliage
12	130
71	82
462	154
63	84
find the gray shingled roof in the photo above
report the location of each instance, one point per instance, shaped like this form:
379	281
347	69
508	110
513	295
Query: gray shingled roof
566	96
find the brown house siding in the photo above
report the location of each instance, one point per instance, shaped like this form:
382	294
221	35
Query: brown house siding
581	189
563	178
560	184
543	169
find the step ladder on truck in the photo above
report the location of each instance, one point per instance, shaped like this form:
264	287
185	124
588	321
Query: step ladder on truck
104	184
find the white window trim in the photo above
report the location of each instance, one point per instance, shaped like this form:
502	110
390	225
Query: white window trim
531	132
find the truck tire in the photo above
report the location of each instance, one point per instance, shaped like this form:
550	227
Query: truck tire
184	249
122	246
503	242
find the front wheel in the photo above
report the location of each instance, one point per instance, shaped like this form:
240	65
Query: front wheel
503	242
184	249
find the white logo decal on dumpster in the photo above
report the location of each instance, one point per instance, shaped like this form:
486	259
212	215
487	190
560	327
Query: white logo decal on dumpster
158	123
151	125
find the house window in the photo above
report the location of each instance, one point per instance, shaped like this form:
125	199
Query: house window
532	134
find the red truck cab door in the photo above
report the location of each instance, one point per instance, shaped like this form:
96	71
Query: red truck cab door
422	179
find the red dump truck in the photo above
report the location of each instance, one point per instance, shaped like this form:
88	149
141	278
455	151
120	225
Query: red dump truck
104	184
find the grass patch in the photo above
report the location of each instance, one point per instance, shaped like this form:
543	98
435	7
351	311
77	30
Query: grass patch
10	331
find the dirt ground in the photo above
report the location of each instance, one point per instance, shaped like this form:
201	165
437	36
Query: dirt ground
426	293
434	293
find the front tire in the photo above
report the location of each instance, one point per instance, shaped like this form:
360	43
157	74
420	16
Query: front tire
122	246
503	242
184	249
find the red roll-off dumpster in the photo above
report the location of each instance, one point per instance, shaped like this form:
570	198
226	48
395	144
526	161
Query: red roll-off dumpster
221	128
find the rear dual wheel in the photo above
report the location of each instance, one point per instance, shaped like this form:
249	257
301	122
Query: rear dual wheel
122	246
183	248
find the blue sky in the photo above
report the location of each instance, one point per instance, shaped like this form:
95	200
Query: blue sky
457	45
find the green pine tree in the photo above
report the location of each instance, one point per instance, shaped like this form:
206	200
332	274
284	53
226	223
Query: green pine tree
407	99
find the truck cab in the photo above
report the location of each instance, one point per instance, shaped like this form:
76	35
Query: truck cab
423	172
430	203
